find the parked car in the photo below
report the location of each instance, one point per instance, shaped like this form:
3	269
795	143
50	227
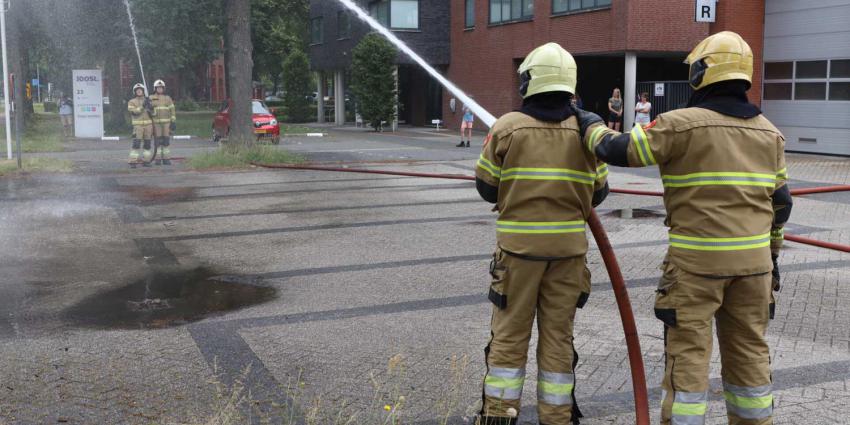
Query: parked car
266	127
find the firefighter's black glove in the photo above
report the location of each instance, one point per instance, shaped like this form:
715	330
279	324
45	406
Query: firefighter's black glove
775	272
148	104
586	119
173	126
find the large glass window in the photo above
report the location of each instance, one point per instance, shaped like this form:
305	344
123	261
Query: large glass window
380	10
343	24
404	14
469	20
778	70
777	91
316	31
566	6
396	14
511	10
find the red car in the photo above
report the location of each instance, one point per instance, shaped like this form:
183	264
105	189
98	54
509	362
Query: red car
266	127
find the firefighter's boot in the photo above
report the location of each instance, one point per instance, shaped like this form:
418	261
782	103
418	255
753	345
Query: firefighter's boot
146	153
165	150
687	303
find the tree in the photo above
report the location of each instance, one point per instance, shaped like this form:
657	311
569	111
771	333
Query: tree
373	79
239	63
298	86
277	29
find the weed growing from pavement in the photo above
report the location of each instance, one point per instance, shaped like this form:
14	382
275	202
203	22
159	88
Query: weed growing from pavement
242	158
234	404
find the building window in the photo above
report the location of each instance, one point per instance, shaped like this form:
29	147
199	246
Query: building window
807	80
316	31
469	21
343	24
568	6
396	14
502	11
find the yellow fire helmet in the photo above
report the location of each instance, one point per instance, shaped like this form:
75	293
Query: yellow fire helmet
547	68
720	57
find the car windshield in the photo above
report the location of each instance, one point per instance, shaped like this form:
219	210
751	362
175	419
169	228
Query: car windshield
259	108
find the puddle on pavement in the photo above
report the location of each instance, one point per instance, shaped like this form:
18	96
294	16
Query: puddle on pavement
636	213
168	298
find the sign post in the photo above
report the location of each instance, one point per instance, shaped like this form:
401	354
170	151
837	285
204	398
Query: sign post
6	89
88	103
705	11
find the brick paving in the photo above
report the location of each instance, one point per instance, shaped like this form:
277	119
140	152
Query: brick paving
381	285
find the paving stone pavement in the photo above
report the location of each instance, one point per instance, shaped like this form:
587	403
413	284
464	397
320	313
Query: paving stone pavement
381	285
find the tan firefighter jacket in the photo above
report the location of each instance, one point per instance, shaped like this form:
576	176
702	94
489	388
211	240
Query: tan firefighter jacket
163	109
719	173
546	180
138	114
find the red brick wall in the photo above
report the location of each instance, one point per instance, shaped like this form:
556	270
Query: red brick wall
483	60
747	19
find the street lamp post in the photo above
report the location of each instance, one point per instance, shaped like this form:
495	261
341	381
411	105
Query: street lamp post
7	110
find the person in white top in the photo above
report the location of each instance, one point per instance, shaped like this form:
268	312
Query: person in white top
642	110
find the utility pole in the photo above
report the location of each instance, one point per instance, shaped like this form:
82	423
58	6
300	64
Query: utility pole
6	109
38	77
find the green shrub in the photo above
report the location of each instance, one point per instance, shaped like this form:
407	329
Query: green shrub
50	107
241	158
298	87
372	80
187	105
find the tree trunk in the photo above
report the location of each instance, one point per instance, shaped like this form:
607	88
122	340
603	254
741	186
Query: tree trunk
240	68
115	120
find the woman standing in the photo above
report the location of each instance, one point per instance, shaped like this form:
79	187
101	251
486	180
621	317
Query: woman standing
642	110
615	110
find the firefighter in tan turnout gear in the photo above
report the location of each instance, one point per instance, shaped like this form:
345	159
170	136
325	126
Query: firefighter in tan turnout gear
722	165
164	122
544	184
141	110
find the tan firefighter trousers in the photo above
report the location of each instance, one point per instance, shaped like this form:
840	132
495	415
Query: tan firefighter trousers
687	304
520	288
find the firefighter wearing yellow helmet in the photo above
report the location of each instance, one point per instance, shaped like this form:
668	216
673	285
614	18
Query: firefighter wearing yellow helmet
722	165
544	184
164	119
141	111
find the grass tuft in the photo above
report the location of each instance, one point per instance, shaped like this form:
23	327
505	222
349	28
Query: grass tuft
242	158
40	164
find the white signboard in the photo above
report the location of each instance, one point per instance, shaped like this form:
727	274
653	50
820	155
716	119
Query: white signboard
706	10
88	103
659	89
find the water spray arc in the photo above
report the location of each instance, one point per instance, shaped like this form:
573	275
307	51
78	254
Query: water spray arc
476	109
136	43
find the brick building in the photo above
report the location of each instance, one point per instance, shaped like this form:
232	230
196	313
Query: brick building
616	43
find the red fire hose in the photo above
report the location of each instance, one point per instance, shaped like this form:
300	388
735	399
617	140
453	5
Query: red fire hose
607	252
815	242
